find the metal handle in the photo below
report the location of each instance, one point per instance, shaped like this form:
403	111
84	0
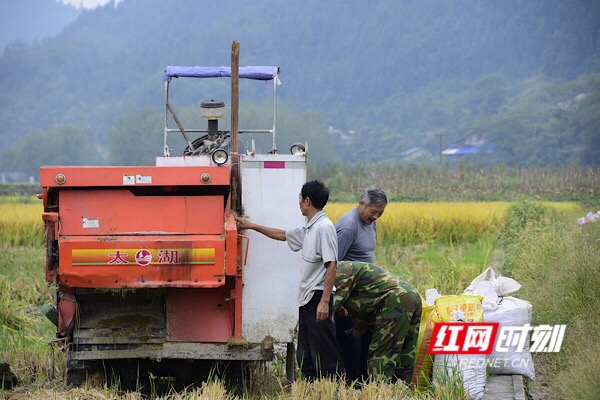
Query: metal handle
247	245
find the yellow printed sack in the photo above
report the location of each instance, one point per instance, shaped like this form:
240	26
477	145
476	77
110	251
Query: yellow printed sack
423	370
469	304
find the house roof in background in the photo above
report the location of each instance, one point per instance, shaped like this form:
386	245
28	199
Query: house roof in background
464	150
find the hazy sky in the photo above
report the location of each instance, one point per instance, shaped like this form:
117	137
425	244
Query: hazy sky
87	3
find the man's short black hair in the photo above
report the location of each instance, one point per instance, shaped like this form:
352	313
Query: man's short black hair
316	192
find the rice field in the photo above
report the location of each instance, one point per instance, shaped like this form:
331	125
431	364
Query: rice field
21	221
402	223
442	245
440	222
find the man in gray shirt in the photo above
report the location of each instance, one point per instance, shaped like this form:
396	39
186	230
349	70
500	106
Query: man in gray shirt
356	232
318	351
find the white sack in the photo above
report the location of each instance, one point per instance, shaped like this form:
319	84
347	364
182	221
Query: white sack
511	312
502	284
470	367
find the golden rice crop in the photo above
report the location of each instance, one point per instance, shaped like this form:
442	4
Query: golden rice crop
441	222
21	224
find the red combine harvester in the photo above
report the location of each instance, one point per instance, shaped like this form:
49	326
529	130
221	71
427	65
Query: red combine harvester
152	276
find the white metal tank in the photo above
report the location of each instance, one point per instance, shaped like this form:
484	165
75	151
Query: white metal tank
270	187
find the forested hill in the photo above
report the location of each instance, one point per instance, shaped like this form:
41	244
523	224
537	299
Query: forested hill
29	20
396	74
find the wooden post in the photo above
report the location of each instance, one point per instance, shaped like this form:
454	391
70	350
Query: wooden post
236	186
236	195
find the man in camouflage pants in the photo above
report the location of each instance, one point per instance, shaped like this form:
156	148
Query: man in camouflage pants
390	307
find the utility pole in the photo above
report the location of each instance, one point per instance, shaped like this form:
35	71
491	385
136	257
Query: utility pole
440	135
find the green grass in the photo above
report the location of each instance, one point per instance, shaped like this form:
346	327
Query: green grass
449	269
25	331
558	265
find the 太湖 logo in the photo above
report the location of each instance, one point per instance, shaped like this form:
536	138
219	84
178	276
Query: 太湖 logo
143	257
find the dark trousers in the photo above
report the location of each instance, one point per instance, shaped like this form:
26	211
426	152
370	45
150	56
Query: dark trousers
318	352
354	349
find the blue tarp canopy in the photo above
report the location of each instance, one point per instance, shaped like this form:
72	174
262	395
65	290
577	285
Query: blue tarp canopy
263	73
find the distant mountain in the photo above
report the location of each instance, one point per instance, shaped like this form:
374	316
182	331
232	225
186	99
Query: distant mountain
29	20
391	74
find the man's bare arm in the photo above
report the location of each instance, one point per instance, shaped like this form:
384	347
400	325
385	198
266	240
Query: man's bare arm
323	307
273	233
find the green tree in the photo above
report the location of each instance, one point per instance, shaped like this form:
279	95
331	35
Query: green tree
68	145
488	94
588	117
137	138
292	126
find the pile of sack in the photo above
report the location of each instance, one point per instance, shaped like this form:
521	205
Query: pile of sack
589	217
485	300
